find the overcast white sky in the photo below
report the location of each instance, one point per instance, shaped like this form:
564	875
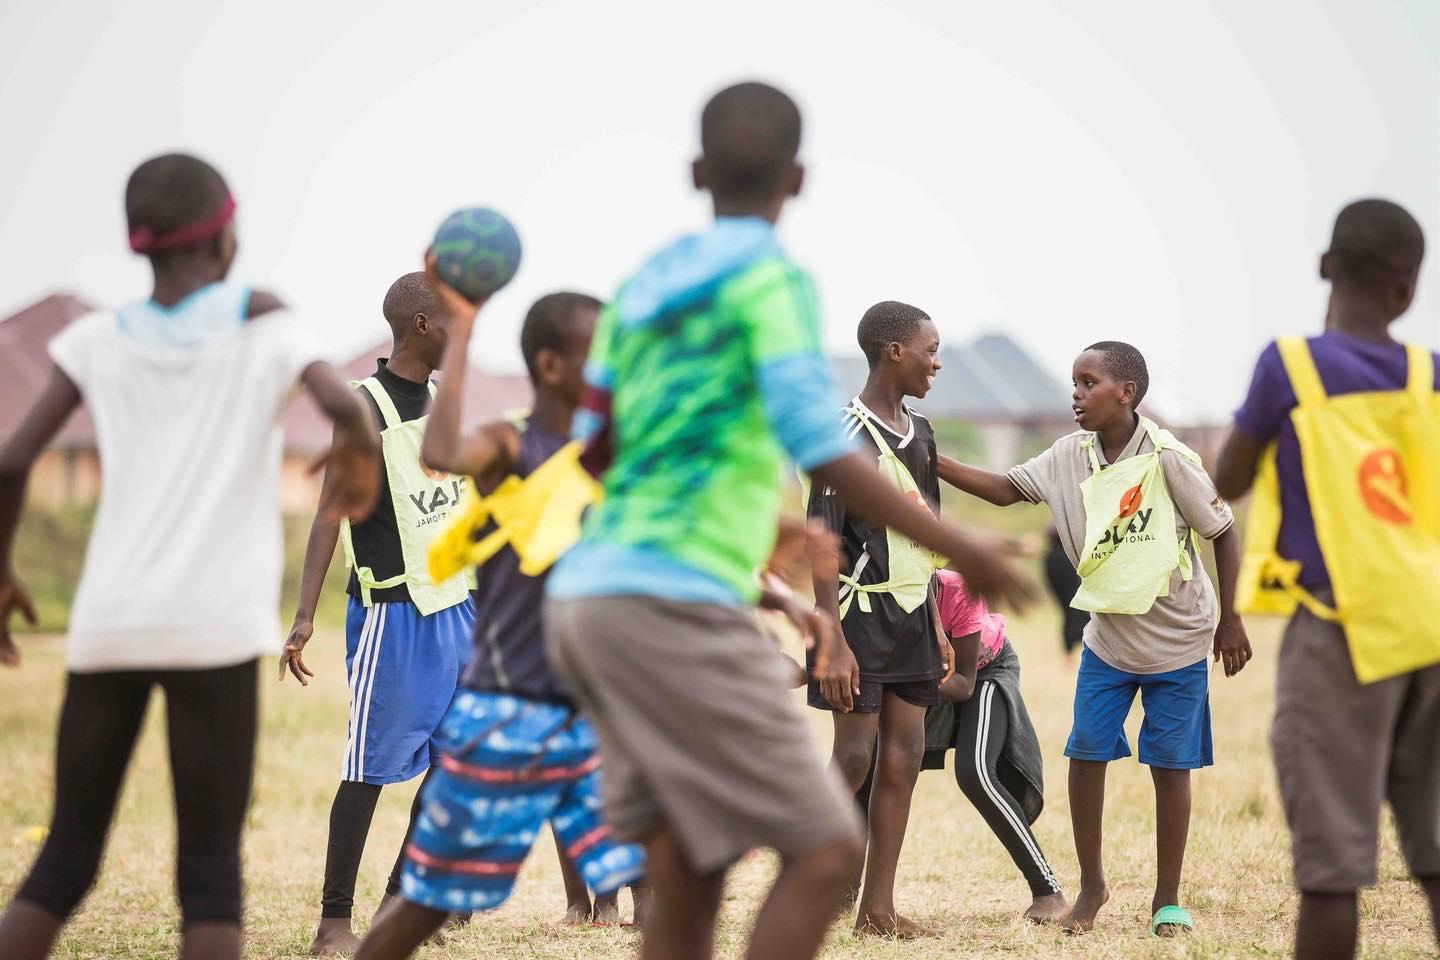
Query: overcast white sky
1162	173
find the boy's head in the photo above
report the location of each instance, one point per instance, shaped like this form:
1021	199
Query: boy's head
1375	253
1110	380
555	342
417	318
178	206
901	341
749	138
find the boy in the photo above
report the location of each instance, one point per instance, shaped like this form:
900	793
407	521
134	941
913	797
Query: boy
1380	740
883	603
516	753
406	637
182	574
998	765
705	366
1153	609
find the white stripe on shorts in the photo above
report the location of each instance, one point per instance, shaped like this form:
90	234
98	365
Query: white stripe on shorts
357	677
377	639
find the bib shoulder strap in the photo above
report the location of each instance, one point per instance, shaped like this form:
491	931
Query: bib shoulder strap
859	414
388	413
1162	439
1422	371
1088	445
1300	367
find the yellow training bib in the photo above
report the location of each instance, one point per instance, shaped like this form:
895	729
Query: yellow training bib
1131	548
1372	473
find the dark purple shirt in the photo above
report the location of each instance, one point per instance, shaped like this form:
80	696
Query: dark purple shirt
1346	364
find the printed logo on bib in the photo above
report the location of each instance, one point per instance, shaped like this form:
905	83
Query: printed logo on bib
1383	488
432	503
1133	532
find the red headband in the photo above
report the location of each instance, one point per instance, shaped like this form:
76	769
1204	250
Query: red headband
146	240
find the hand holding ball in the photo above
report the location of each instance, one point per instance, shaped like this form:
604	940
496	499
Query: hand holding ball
477	251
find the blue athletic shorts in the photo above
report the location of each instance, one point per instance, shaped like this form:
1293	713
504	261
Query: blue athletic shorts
403	670
509	765
1176	731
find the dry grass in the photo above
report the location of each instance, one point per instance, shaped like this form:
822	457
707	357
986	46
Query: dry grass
953	874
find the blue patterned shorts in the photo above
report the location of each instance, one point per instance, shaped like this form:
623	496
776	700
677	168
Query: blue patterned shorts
507	766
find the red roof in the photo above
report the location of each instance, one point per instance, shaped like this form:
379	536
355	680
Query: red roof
24	363
487	396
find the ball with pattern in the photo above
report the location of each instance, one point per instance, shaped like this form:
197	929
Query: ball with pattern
477	251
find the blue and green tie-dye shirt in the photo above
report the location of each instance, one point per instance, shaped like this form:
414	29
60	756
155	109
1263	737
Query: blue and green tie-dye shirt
712	362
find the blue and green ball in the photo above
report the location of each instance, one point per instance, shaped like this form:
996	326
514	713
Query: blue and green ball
477	251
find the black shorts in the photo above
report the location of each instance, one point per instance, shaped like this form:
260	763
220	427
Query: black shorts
921	693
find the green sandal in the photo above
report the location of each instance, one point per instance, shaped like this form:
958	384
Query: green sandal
1171	916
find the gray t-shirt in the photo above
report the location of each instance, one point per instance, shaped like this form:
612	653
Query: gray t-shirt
1179	630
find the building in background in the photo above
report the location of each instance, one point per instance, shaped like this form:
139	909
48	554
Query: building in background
68	474
991	404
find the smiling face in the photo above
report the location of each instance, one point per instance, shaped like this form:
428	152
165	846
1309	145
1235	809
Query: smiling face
919	359
1100	400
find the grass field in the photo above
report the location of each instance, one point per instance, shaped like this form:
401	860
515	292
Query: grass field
953	873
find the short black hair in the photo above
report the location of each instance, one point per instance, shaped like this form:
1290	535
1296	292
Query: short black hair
750	135
889	321
1124	362
171	191
549	322
407	296
1373	242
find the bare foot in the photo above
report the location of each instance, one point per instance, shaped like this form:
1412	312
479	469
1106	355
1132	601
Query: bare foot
1081	918
576	913
1048	909
334	938
892	926
607	909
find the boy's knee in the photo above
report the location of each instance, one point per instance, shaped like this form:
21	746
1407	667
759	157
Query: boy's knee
853	759
209	888
969	777
63	873
901	757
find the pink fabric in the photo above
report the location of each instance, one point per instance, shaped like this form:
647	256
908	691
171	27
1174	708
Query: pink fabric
963	613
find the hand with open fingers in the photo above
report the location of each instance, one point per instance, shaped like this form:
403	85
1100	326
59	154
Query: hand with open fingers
836	669
1232	645
353	465
300	632
460	310
13	598
987	571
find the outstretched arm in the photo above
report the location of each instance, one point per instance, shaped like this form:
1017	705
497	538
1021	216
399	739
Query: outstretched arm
982	560
994	488
353	461
40	424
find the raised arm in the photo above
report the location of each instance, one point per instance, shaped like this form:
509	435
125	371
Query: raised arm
42	421
994	488
489	450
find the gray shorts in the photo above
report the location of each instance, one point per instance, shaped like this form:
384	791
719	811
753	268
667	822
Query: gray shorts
698	731
1341	749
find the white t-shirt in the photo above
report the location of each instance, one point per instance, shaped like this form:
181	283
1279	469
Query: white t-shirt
184	564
